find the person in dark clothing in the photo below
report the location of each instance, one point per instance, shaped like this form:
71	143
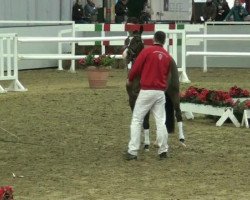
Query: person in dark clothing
209	11
121	11
145	13
237	11
222	10
90	11
135	7
77	13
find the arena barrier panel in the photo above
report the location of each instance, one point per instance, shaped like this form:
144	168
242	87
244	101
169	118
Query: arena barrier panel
223	112
175	33
246	116
8	63
205	37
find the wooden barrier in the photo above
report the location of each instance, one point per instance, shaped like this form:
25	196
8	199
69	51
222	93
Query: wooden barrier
246	116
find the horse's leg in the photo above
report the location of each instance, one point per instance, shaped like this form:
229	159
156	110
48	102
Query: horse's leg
170	120
173	92
131	97
146	132
174	96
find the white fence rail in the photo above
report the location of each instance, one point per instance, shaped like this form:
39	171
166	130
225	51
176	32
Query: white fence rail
8	63
217	37
73	40
172	34
206	37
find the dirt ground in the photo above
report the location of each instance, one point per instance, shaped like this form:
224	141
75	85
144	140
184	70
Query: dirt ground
71	141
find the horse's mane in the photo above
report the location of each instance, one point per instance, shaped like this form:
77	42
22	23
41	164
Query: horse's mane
134	45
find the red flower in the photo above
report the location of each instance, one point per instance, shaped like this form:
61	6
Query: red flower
246	93
247	104
6	192
203	95
97	61
236	92
82	61
208	97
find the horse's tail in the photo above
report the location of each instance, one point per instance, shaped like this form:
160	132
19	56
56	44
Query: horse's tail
170	117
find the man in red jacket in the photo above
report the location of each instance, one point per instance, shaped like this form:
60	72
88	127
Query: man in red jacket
153	65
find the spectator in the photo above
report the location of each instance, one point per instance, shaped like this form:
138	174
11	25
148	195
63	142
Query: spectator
222	10
209	11
145	13
90	11
121	11
237	11
77	13
243	3
216	2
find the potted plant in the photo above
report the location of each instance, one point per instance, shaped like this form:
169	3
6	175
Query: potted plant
98	68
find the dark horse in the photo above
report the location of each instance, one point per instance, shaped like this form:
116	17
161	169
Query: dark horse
134	45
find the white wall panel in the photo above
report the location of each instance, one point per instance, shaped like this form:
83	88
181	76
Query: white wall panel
66	9
35	10
48	10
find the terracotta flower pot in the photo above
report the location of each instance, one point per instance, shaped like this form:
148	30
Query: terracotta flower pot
97	77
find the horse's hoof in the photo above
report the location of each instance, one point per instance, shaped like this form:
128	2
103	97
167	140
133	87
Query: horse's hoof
182	141
146	148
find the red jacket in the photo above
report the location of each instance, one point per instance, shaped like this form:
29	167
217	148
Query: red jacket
153	65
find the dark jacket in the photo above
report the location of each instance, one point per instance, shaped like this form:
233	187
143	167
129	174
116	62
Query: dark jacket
209	12
90	11
120	12
77	12
238	13
222	10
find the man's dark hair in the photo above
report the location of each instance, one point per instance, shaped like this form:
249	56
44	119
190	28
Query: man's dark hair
160	37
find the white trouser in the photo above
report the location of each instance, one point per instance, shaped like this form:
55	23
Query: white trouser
153	100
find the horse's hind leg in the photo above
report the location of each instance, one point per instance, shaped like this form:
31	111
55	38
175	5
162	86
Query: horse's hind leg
176	104
146	132
170	120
